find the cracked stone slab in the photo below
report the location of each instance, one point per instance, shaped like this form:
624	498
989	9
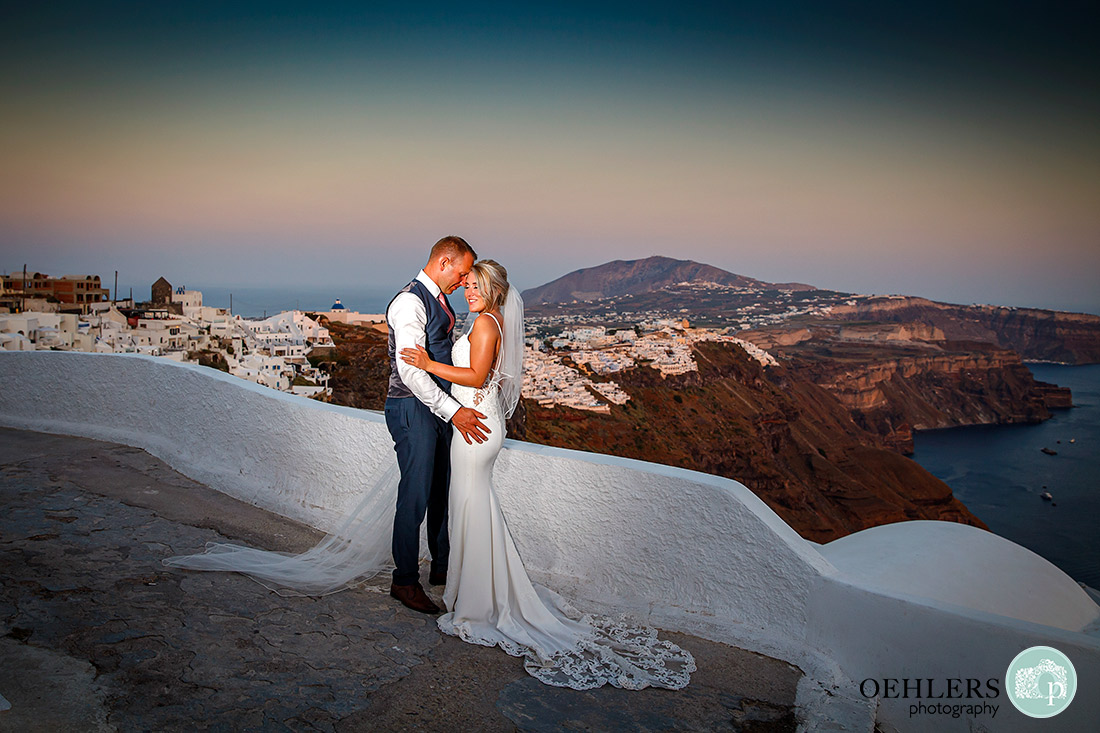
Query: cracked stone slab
168	646
84	526
48	691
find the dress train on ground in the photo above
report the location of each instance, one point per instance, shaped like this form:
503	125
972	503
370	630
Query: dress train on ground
491	600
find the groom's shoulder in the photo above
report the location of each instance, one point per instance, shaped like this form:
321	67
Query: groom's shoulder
410	294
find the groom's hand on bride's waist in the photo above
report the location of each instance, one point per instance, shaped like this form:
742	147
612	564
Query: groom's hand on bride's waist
468	422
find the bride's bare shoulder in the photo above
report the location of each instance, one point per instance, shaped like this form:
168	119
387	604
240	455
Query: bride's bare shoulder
487	324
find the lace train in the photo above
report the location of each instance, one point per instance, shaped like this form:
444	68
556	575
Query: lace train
491	601
498	605
613	651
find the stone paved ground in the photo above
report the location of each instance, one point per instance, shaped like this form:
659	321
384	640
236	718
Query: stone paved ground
97	635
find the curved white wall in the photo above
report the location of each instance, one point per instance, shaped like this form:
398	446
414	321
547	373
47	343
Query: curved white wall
948	562
251	442
684	550
623	534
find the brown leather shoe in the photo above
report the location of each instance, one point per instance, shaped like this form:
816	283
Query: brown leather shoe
437	578
414	597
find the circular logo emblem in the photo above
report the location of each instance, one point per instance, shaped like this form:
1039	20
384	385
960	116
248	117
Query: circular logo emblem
1041	682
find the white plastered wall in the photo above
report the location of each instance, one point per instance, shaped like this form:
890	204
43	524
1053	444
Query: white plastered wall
680	549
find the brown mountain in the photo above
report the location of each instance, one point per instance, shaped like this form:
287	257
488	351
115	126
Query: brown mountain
359	366
623	277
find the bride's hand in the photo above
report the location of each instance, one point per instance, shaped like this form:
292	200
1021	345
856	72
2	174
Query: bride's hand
418	357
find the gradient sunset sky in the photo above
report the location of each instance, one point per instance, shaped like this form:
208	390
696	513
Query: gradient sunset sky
950	150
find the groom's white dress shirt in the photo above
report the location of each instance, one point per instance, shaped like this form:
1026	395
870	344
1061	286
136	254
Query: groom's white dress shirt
408	318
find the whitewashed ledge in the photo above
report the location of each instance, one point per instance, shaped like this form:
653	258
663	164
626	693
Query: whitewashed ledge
682	550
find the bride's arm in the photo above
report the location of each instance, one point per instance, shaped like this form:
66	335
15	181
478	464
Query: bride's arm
484	338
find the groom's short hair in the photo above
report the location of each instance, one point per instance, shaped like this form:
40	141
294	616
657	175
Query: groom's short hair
453	247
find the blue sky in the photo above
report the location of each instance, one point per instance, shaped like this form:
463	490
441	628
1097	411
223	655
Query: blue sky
942	149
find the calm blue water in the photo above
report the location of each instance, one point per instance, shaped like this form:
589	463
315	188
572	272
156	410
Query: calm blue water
999	472
254	302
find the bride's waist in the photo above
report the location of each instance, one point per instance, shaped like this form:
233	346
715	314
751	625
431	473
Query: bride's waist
476	398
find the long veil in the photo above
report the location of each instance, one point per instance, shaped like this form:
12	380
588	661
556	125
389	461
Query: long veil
508	372
362	546
357	551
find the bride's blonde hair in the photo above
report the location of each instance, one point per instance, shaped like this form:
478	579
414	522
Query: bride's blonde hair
492	282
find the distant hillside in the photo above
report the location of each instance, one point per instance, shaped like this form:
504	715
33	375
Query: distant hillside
1035	334
623	277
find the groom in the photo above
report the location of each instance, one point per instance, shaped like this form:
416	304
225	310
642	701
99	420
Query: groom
419	415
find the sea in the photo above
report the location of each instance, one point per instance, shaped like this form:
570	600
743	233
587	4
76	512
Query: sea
260	302
1000	471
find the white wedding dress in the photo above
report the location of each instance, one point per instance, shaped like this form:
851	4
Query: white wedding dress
489	598
491	601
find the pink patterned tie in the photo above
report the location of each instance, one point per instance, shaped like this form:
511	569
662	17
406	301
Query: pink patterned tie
447	310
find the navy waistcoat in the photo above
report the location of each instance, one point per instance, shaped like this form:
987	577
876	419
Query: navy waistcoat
440	338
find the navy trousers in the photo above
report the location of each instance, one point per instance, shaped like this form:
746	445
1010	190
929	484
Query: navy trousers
423	445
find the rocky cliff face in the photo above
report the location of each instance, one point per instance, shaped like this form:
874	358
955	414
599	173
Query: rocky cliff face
358	368
1036	335
894	385
793	443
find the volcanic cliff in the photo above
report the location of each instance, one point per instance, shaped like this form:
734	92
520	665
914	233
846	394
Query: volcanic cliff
790	441
818	437
896	378
1033	333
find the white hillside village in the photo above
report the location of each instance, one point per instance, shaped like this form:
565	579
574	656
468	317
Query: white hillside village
275	351
666	348
272	352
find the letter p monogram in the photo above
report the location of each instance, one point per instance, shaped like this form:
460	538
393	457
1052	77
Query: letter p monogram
1050	692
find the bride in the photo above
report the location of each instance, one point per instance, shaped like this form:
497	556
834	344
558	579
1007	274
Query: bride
489	598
